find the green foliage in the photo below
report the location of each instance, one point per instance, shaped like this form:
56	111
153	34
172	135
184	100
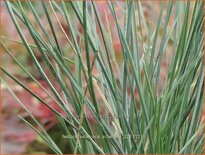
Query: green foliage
166	115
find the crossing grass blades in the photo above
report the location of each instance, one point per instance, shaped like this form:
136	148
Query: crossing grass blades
163	117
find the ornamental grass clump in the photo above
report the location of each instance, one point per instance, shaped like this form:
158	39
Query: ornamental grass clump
137	80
